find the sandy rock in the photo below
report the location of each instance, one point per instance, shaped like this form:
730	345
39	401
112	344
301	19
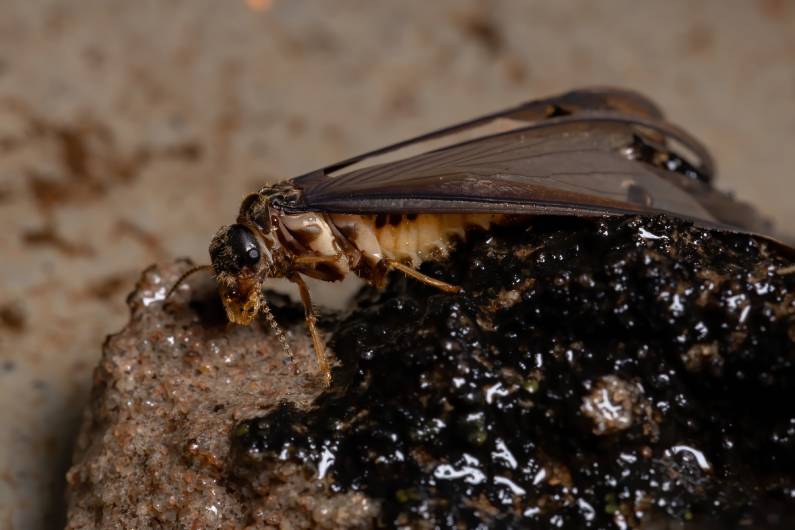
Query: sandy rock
167	393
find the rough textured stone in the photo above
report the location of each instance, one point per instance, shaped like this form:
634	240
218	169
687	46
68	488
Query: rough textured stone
600	374
154	448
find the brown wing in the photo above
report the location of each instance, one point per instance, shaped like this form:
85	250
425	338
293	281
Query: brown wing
577	103
607	154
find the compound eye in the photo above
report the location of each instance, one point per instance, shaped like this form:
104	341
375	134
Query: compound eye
244	246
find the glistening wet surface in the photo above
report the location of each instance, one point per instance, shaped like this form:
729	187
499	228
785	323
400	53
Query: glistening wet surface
616	374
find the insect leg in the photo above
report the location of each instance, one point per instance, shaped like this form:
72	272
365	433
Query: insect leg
315	260
311	322
427	280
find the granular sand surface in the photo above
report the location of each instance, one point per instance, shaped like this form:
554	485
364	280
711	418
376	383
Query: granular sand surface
167	394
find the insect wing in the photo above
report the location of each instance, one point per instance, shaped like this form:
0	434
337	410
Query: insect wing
578	103
569	154
569	168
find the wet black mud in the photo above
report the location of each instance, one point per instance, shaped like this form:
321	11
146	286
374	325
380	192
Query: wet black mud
627	373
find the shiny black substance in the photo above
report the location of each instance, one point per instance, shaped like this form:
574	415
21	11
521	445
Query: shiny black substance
614	374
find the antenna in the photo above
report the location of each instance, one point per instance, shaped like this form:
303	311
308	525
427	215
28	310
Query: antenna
279	334
184	275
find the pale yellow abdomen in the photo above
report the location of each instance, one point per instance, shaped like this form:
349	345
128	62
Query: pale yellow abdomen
411	239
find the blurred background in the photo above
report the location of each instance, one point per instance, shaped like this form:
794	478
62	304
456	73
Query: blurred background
129	131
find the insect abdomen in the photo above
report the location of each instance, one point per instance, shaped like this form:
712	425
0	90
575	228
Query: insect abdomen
409	238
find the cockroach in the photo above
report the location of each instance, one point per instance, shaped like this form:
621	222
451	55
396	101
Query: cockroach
591	152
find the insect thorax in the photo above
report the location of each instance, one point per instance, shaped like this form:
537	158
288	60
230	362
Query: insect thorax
291	239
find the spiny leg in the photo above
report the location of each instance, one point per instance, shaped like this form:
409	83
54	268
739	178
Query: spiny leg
311	322
315	260
433	282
